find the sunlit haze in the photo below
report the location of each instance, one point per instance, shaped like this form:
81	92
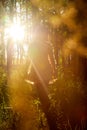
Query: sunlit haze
16	31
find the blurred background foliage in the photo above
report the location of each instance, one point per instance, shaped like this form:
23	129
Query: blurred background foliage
66	20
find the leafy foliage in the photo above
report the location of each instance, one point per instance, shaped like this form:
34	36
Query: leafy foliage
20	107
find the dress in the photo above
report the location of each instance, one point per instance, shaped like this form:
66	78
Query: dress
41	68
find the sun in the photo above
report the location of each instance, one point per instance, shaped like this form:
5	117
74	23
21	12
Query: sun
17	32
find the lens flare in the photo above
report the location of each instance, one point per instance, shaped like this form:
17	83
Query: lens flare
16	31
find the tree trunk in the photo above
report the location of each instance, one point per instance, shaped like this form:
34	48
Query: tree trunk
50	112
